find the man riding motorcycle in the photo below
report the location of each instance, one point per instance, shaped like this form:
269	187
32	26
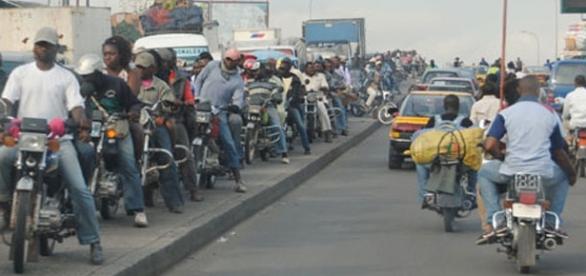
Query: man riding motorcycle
317	82
574	111
113	95
337	85
152	91
451	109
534	146
46	90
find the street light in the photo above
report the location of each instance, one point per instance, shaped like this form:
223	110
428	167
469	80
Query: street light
534	35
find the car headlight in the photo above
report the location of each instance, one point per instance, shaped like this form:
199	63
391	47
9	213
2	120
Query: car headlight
32	142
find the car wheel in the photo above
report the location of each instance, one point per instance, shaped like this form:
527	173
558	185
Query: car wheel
395	159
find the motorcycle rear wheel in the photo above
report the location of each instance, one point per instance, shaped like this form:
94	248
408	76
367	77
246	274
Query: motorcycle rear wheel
108	208
526	248
19	242
383	115
47	246
449	214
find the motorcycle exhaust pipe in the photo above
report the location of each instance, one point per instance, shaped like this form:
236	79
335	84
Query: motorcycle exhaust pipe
550	244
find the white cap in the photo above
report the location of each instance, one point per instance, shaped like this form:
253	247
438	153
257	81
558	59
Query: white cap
48	35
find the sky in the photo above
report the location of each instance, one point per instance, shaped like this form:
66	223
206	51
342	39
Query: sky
438	29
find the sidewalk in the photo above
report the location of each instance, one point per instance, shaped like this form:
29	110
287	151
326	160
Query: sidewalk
171	237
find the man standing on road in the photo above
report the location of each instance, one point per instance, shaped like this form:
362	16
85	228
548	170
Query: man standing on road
48	91
220	84
535	146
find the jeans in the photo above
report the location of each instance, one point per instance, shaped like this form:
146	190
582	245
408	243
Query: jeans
235	122
275	123
229	142
342	119
556	188
169	178
69	168
423	175
188	167
86	154
296	114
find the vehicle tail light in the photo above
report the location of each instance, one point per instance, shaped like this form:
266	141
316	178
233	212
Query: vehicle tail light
582	133
528	198
421	87
508	204
395	134
53	145
582	142
406	127
111	133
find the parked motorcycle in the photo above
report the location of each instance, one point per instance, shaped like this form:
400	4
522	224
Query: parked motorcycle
525	215
260	135
105	184
42	212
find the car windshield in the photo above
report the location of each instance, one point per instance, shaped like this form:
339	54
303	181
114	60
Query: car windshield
566	73
438	74
188	55
464	83
537	70
431	105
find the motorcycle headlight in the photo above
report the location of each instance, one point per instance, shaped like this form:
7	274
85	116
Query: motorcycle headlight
32	142
202	117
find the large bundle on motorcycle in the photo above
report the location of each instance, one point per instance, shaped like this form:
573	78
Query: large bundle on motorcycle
171	18
453	144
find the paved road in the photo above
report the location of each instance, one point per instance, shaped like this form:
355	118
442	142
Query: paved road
358	218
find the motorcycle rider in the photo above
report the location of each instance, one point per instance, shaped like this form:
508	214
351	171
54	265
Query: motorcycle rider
220	83
487	107
317	82
374	85
266	76
339	86
451	114
46	90
185	125
574	111
153	90
535	146
114	96
293	89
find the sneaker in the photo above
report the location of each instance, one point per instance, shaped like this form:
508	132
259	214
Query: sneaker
239	187
344	133
96	254
140	220
307	152
285	160
176	210
195	196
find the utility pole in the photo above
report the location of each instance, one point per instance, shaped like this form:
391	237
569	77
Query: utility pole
503	54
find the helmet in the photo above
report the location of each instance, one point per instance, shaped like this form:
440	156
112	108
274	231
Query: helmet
251	64
88	64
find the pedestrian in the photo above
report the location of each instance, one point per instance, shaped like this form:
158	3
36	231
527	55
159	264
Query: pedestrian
518	65
483	62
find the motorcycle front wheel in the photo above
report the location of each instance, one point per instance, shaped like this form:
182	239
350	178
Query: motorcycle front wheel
357	110
250	146
383	115
20	230
108	208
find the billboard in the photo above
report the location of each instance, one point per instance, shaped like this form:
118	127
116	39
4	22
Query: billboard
235	15
573	6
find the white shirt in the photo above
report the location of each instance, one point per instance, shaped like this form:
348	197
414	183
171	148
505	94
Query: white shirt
316	82
575	108
43	94
485	109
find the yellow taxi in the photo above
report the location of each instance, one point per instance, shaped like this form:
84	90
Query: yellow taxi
415	111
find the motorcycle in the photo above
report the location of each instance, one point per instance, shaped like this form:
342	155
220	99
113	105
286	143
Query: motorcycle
312	123
524	214
578	151
384	107
205	150
42	212
260	136
105	184
455	201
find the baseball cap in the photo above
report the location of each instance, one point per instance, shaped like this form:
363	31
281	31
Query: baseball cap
144	59
47	34
166	54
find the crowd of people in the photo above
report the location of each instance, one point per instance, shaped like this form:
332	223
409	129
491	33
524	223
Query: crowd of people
124	80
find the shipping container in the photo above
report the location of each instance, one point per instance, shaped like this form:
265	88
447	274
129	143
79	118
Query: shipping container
328	32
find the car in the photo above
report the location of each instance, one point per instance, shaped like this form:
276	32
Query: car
449	88
430	74
541	72
414	114
561	81
466	82
11	60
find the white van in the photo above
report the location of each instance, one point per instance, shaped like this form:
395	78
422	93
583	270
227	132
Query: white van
187	46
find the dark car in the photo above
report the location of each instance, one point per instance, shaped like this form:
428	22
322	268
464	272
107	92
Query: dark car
561	81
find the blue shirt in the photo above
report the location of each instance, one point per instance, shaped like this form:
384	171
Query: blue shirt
219	88
532	131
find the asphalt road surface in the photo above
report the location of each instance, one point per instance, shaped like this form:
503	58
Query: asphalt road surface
359	218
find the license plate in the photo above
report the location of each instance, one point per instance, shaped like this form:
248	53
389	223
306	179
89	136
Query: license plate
197	142
526	211
96	129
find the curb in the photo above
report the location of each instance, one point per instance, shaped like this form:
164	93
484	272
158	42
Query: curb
174	246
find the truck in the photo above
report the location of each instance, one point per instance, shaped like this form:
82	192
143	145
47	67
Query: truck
575	41
256	37
341	36
82	30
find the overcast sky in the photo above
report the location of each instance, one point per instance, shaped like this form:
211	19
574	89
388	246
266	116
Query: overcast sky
439	29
